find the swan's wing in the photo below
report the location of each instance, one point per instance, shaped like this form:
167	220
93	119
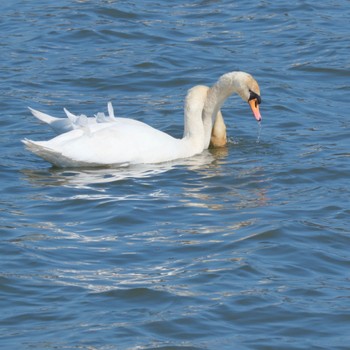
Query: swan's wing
72	117
59	125
80	121
100	117
110	111
62	125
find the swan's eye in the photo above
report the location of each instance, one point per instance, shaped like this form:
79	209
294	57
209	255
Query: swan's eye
253	96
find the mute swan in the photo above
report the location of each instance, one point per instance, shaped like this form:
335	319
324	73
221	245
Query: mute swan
126	141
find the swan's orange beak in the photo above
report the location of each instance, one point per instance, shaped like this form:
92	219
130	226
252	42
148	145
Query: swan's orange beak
254	106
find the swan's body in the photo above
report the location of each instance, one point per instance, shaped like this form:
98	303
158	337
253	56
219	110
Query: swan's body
123	141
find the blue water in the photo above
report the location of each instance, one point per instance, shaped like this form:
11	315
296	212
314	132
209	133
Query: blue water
245	247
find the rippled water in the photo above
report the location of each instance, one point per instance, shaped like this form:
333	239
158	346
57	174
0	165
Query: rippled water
244	247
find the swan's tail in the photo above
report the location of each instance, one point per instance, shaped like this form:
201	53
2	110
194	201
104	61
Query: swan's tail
54	157
41	151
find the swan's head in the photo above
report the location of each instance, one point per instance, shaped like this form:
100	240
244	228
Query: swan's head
249	91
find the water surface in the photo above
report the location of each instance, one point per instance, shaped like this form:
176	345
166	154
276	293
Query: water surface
244	247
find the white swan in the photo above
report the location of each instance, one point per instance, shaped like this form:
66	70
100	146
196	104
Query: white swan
126	141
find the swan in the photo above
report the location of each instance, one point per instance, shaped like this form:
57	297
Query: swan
124	141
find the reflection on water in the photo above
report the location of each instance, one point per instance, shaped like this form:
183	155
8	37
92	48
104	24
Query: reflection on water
210	188
80	178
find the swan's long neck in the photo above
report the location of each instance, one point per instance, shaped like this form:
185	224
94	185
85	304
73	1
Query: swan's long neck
193	124
217	94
